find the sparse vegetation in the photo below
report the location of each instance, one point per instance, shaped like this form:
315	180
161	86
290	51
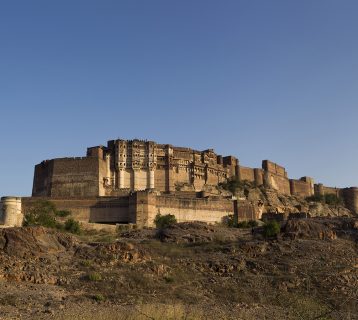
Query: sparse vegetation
44	213
271	229
86	263
9	300
234	184
168	279
213	272
315	198
253	223
247	224
62	213
99	297
164	221
330	199
41	213
94	276
72	226
230	221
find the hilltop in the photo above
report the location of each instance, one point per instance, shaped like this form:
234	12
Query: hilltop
195	271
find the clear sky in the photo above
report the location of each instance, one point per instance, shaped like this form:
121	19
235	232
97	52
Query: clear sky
273	79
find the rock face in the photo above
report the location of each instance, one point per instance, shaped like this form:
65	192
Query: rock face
272	202
29	254
307	271
41	255
321	228
33	242
308	229
194	232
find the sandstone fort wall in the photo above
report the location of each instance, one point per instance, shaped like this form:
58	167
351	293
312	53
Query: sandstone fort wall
302	188
116	183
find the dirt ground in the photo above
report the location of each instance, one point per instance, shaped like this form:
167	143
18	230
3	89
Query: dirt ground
188	271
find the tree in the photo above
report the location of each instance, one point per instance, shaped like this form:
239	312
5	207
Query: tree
164	221
271	228
72	226
41	213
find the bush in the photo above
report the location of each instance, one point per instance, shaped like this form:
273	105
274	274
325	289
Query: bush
165	221
247	224
72	226
234	184
41	213
86	263
94	276
243	225
315	198
168	279
253	223
330	199
229	221
99	297
271	228
63	213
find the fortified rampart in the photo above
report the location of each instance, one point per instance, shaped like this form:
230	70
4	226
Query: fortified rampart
141	208
136	165
130	181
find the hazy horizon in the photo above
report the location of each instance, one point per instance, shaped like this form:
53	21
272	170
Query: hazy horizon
258	80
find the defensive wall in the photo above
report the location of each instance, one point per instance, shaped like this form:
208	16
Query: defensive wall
130	181
139	208
137	165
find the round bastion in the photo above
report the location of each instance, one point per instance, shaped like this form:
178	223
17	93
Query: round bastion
10	212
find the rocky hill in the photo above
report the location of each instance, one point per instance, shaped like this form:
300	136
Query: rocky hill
273	202
186	271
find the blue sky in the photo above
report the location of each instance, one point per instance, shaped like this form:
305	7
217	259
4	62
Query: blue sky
259	80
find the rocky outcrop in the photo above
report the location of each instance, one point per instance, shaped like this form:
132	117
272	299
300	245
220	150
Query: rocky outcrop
40	255
273	202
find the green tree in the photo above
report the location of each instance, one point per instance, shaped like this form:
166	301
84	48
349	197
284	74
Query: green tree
332	199
72	226
164	221
41	213
271	228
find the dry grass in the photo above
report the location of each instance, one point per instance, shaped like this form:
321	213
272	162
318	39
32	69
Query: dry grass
140	312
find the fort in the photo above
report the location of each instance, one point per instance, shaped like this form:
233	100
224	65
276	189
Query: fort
131	181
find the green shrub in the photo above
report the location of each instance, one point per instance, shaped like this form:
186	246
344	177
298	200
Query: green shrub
229	221
94	276
86	263
168	279
164	221
72	226
41	213
247	224
99	297
63	213
332	199
253	223
243	225
234	184
271	228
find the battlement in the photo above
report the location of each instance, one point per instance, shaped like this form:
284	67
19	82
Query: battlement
274	168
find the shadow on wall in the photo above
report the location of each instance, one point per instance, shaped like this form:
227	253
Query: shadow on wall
111	211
